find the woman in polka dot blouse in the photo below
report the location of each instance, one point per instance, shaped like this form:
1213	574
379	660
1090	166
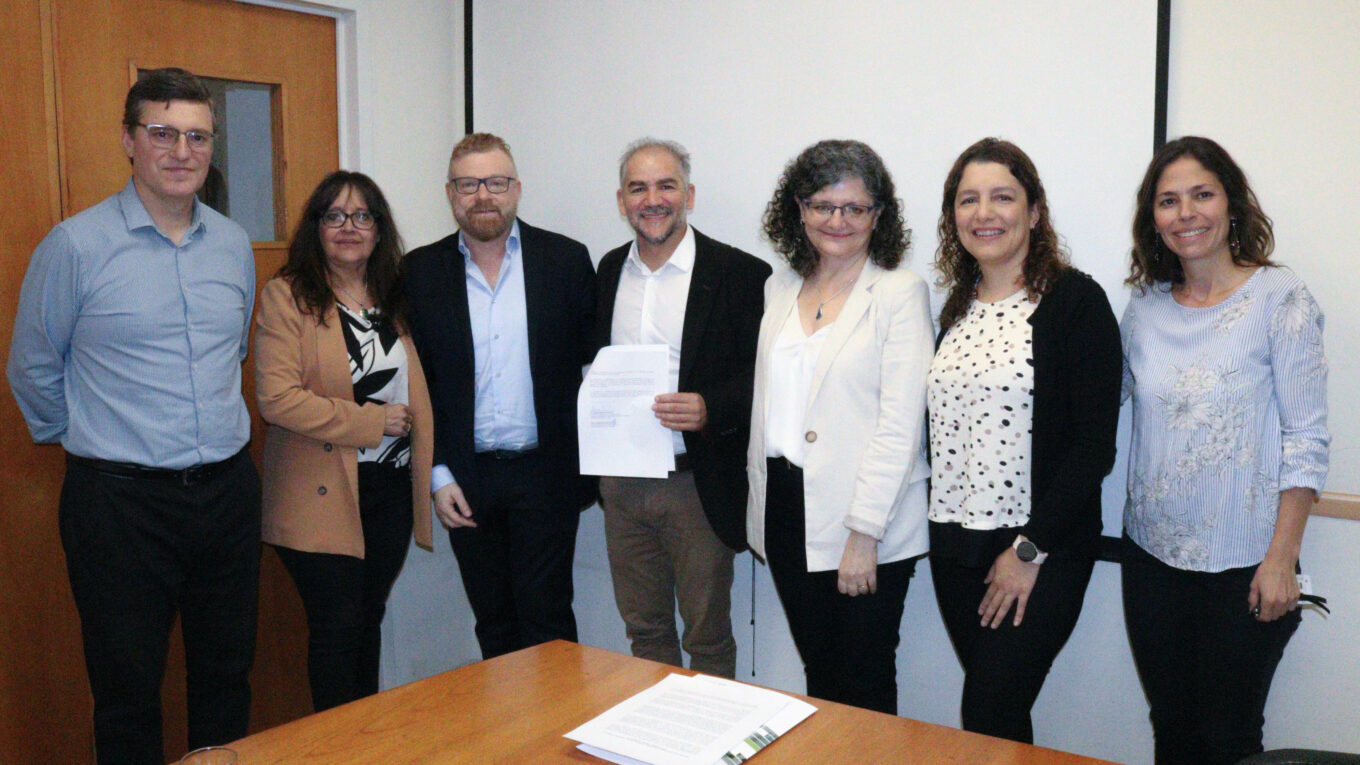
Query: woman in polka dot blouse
1023	407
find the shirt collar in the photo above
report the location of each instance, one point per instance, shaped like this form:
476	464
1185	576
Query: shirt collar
682	258
136	216
511	244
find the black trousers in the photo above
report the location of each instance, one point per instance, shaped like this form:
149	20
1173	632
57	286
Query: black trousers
1004	668
345	597
1205	662
848	645
516	563
137	551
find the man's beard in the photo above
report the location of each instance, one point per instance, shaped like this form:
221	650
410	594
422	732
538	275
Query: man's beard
485	228
675	225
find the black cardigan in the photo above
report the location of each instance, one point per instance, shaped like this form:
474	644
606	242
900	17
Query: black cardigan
1078	367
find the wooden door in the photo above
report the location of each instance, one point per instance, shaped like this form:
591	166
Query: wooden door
70	64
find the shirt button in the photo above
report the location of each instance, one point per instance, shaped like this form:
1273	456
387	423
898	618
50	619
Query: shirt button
496	336
321	490
328	447
810	436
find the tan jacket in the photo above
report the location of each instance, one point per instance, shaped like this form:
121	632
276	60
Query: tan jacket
305	393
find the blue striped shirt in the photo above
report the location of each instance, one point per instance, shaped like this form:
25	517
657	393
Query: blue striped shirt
1229	409
128	347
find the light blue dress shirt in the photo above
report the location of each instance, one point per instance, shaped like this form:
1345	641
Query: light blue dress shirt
128	347
504	416
1229	409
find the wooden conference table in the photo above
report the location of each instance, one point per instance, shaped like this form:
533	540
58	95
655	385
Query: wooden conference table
515	708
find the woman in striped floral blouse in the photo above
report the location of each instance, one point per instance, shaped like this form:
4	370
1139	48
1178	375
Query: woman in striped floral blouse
1223	358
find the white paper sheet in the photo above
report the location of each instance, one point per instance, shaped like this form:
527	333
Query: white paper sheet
691	721
618	431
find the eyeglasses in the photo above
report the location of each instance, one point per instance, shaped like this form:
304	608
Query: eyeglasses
362	219
166	137
819	212
496	184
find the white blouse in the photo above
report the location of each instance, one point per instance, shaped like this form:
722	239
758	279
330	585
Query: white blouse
980	394
792	363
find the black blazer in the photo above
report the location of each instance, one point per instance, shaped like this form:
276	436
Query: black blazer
559	294
717	361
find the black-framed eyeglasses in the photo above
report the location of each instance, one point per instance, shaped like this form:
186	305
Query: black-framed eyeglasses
362	219
821	211
467	185
165	137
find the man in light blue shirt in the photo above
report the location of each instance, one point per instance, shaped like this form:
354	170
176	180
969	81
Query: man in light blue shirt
131	328
501	313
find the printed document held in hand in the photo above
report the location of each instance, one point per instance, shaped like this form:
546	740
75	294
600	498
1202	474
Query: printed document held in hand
619	433
696	720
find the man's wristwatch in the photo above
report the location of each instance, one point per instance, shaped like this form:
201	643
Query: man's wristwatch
1027	552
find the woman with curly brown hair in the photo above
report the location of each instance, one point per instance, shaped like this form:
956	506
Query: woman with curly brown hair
1224	362
1024	404
838	475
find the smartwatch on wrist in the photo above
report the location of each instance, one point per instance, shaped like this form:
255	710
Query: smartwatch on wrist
1027	552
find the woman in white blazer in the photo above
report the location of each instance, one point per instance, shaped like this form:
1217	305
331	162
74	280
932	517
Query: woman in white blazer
837	469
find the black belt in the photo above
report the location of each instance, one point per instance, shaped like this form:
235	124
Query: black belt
508	454
185	476
781	463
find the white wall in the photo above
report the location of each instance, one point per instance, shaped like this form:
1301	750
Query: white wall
745	90
1278	85
1275	82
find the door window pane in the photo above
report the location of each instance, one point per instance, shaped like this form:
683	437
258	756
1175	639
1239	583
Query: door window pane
241	181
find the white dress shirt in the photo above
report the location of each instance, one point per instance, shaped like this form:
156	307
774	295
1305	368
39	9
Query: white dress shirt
649	307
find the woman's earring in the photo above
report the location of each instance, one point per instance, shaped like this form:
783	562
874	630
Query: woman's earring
1233	242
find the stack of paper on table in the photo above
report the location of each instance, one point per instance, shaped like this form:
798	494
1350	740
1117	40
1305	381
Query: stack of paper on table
696	720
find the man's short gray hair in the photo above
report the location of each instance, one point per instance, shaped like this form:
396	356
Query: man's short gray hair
649	142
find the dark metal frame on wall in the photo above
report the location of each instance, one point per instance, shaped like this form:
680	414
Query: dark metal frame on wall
1159	97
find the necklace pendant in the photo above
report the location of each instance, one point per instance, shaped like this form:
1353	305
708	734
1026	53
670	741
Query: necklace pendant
818	317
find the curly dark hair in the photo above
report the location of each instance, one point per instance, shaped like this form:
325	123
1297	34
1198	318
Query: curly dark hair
823	164
1253	235
306	268
959	271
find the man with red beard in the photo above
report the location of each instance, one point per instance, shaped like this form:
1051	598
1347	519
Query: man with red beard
673	539
501	313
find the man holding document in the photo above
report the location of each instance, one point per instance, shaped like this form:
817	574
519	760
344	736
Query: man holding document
673	539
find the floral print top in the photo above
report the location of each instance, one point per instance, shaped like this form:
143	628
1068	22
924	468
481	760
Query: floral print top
1229	409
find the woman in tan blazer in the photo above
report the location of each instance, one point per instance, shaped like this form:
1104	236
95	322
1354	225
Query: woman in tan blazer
347	453
836	464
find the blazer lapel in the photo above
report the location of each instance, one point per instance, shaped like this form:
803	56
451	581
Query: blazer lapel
536	291
332	358
856	305
703	287
776	313
607	284
455	270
